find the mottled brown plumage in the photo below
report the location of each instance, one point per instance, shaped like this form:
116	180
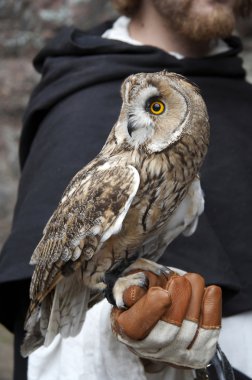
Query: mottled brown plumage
136	196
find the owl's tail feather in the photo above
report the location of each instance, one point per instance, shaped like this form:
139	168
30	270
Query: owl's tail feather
69	307
33	338
61	312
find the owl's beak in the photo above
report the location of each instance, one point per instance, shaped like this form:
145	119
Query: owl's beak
131	128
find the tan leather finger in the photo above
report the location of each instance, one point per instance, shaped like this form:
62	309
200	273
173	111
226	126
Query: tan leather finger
198	288
179	289
137	322
132	294
211	310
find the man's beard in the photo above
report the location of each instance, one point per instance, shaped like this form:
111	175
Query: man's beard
188	20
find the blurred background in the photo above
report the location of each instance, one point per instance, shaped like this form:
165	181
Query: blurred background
25	26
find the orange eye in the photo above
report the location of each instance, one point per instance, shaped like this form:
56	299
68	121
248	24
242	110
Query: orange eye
157	107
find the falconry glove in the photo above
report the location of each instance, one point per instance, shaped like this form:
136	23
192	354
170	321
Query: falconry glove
176	321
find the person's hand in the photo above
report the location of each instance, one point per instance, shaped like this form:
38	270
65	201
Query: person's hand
176	321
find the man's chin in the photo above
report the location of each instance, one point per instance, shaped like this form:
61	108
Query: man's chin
199	21
204	27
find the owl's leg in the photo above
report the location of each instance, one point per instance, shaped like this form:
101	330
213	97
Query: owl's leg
148	265
139	278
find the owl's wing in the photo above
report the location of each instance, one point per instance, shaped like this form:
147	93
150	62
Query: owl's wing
93	208
90	212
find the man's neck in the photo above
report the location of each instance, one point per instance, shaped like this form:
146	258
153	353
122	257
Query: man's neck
150	28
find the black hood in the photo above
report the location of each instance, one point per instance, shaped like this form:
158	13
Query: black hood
75	60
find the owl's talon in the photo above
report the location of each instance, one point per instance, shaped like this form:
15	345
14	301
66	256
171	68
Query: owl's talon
123	283
166	271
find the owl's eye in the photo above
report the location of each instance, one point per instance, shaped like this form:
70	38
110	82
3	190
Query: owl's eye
155	106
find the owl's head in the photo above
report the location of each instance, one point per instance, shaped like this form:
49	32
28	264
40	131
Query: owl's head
158	108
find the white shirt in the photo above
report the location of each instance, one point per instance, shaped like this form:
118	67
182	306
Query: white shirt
94	354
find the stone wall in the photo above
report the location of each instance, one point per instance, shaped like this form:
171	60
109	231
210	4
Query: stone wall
26	24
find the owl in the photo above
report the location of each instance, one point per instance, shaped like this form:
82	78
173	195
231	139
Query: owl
122	210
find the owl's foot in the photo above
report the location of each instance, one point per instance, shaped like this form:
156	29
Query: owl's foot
139	278
123	283
117	283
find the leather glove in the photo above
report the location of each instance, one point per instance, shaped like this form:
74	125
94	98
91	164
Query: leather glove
176	321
